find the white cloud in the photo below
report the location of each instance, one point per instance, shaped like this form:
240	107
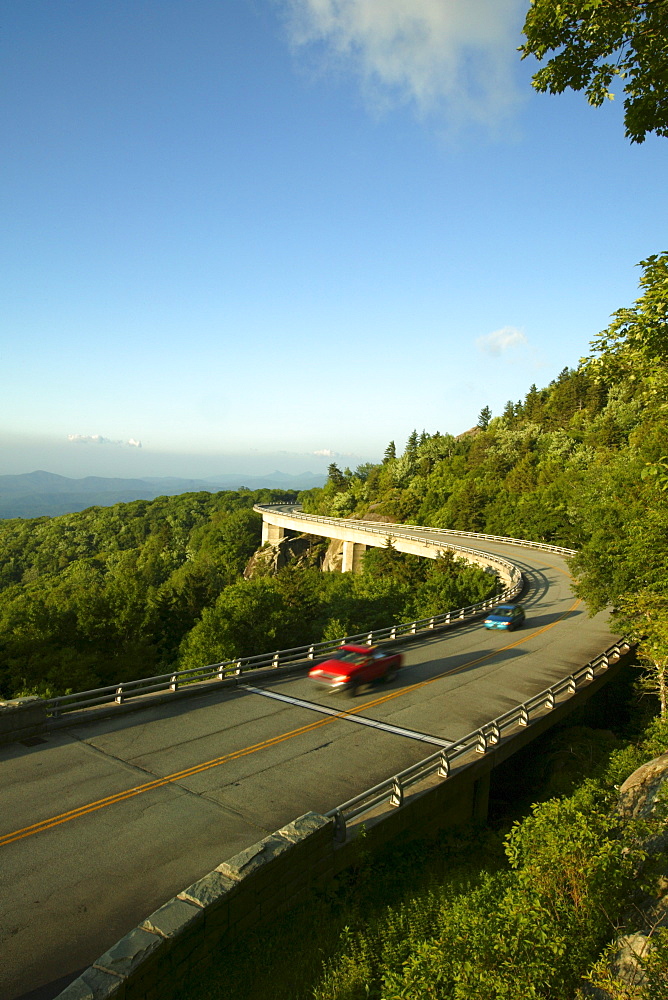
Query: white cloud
98	439
500	341
453	56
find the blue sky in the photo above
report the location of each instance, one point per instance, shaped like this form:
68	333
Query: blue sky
257	234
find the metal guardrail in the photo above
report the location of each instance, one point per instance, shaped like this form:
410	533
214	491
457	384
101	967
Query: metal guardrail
229	669
441	763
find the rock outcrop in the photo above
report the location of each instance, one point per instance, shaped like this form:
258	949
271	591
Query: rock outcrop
644	790
333	560
302	550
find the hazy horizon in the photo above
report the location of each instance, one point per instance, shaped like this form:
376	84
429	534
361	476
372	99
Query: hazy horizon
76	460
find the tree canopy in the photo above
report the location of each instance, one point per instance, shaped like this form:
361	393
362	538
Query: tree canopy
634	348
597	41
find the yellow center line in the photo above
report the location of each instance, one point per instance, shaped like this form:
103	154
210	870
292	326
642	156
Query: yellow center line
48	824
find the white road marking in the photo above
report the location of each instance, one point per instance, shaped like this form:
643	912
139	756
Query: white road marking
412	734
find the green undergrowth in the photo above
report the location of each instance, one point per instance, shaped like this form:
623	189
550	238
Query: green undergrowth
338	925
521	908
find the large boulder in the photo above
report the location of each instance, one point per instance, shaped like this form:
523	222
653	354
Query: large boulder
625	966
645	791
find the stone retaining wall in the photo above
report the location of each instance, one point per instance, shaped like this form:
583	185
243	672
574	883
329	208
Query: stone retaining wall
21	718
249	891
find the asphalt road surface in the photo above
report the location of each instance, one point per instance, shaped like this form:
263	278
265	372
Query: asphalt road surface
103	822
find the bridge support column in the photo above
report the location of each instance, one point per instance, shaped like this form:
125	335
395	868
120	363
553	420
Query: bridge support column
352	557
272	532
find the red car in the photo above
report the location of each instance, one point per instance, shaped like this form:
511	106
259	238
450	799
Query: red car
351	666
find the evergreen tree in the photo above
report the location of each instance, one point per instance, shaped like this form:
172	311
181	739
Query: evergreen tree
412	445
484	418
336	477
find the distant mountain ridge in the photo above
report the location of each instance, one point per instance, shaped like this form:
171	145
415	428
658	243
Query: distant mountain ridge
40	493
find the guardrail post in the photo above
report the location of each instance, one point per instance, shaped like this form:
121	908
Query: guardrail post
431	623
413	628
444	765
276	659
221	672
397	796
481	745
369	639
174	683
393	633
524	716
119	695
311	653
339	827
571	684
589	671
493	734
549	701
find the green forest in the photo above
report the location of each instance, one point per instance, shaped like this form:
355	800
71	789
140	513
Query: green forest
107	594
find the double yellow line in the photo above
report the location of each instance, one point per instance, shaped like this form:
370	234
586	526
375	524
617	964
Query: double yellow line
189	772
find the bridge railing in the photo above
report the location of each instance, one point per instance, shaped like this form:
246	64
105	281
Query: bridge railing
392	790
238	666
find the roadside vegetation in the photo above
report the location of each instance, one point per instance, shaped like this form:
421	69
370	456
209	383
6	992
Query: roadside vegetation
522	908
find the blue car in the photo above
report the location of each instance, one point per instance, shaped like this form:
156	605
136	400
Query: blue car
507	616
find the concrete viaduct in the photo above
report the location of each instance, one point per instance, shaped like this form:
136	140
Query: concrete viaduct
358	535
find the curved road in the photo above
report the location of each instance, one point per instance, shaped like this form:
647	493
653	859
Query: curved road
103	822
